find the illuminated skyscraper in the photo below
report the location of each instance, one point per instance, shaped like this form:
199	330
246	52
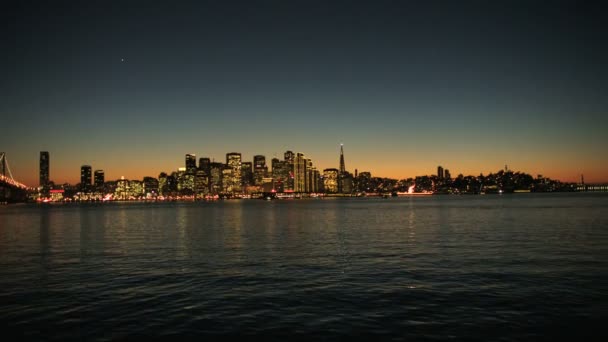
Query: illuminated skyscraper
44	169
85	178
260	169
215	177
309	176
233	161
330	180
342	166
99	179
289	166
280	174
201	184
299	173
191	163
342	175
247	173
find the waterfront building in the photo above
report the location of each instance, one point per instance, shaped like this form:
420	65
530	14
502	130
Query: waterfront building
342	172
346	183
151	185
364	182
215	178
289	158
299	173
260	170
247	173
280	173
227	179
99	179
233	182
440	172
44	169
136	189
86	178
330	180
201	183
162	184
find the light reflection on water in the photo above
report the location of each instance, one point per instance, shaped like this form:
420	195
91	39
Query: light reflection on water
480	267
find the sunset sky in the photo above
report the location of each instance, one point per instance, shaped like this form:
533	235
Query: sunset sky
131	87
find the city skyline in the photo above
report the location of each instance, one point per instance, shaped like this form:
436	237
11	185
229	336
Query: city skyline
191	162
131	88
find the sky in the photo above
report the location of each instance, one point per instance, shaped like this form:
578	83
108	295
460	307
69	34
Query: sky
131	87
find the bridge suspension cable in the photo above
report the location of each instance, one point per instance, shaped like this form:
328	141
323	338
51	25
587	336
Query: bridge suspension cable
5	167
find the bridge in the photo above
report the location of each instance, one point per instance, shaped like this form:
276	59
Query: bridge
10	189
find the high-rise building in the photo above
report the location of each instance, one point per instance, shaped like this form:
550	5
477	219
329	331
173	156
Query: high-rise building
447	175
99	179
215	177
191	163
439	172
247	173
342	173
330	180
227	179
44	171
233	161
260	170
201	183
364	182
299	173
205	165
85	178
289	158
309	176
280	174
342	166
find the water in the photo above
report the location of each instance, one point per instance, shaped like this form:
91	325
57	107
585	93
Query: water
516	267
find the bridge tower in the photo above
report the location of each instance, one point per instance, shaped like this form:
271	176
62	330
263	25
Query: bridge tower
2	164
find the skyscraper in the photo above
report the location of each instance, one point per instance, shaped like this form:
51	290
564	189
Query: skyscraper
205	165
247	173
342	166
99	179
191	163
279	174
299	173
289	157
233	161
85	178
260	169
342	174
44	169
215	177
440	172
330	180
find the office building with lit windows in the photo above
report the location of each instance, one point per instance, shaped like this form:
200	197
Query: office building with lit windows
86	178
190	163
99	179
44	169
330	180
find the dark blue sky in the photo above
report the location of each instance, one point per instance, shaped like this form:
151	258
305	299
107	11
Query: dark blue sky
405	85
